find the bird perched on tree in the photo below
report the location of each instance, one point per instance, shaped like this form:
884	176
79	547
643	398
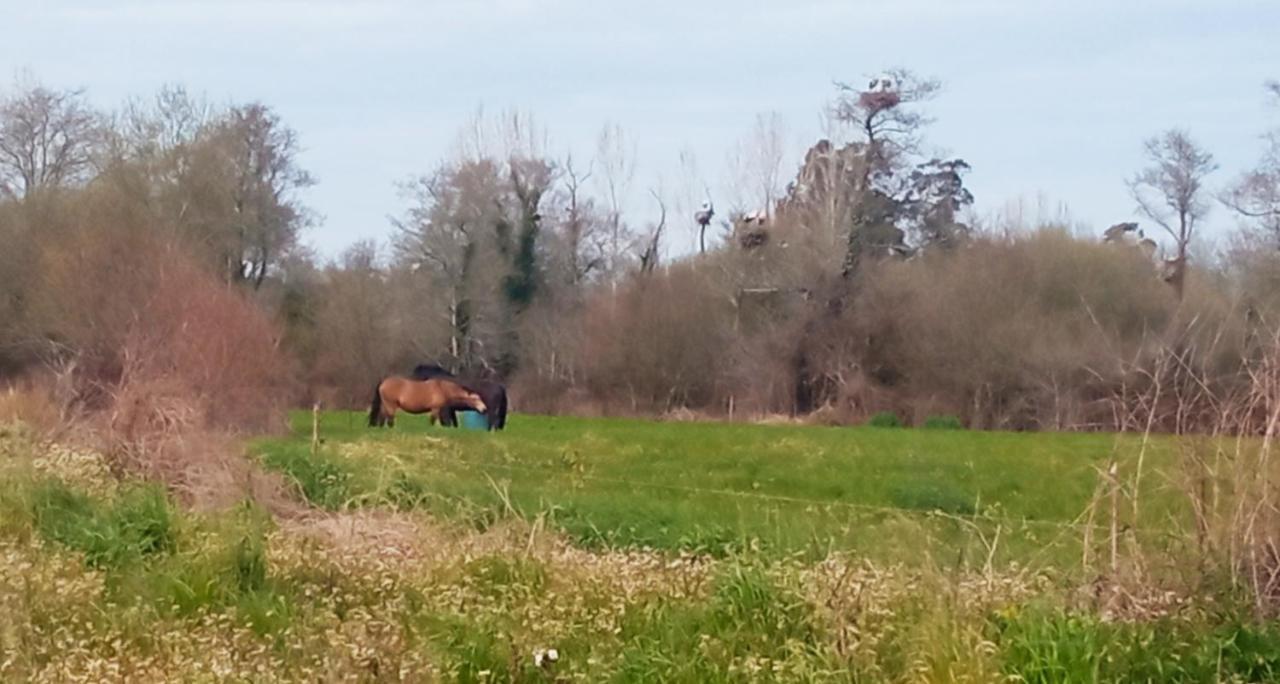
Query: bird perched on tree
703	215
1117	233
881	84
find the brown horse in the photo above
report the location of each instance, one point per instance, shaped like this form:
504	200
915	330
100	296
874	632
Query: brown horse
416	396
494	395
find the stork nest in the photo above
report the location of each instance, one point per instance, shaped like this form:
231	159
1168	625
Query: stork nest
880	99
753	238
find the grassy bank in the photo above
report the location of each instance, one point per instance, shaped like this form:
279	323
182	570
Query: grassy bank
108	579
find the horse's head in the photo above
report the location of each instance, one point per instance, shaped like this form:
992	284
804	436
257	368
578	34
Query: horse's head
476	402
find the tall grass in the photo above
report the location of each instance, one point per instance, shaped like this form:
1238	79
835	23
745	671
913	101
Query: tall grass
158	592
1053	647
137	524
324	481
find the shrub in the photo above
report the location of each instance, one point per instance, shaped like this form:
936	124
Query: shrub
884	419
661	337
1007	333
146	325
943	423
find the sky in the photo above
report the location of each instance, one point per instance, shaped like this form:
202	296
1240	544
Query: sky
1048	101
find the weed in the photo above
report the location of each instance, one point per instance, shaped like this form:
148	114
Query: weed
1051	647
884	419
137	524
324	482
943	423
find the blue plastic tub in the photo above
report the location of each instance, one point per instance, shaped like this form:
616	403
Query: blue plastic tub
470	420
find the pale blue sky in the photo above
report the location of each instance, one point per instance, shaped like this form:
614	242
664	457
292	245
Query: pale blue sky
1044	98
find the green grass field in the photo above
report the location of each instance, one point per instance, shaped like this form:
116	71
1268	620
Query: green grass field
888	494
640	551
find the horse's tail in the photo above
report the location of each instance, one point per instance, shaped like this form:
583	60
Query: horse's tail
375	407
499	419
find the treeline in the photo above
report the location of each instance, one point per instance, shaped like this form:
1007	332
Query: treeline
160	243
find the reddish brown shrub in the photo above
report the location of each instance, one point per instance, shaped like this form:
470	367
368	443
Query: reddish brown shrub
137	312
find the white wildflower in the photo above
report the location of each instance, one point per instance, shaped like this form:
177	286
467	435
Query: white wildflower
543	657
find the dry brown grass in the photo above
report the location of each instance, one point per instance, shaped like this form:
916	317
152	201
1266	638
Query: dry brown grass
1228	544
829	415
686	415
776	419
31	406
156	431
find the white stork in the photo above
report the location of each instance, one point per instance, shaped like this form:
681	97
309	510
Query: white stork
703	215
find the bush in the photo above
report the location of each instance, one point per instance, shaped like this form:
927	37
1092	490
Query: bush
140	316
658	343
885	419
943	423
1016	333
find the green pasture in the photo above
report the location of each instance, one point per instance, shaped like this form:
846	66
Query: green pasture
890	494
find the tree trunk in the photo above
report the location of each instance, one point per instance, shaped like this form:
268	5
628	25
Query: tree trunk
453	325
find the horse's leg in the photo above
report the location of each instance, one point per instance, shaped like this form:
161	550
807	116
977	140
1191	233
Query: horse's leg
448	418
498	413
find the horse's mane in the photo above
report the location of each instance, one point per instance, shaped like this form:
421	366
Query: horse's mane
426	371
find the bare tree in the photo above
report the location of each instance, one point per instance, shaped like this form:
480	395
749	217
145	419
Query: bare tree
766	151
172	119
583	253
651	246
884	116
174	141
616	157
826	187
1255	196
234	188
354	314
1171	192
47	139
692	192
443	231
755	166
